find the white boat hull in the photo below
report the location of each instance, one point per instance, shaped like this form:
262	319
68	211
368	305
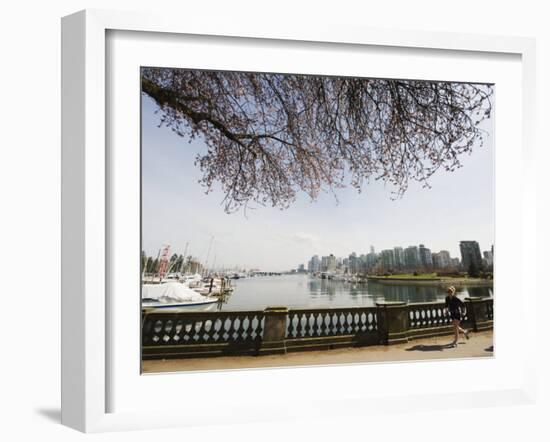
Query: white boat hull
206	305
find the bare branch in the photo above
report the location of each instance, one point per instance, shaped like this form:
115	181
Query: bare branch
270	136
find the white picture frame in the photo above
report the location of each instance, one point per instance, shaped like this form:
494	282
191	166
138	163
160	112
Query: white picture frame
86	205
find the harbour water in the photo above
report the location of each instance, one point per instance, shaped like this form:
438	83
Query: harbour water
304	291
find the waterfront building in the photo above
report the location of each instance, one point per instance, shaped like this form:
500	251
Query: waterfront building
387	259
353	263
331	263
471	254
425	256
314	264
412	258
441	260
362	263
372	259
342	264
399	257
488	256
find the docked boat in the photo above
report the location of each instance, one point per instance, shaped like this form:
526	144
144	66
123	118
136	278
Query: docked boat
214	287
192	280
174	295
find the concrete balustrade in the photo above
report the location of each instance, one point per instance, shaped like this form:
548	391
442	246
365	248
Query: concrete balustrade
278	330
393	322
273	341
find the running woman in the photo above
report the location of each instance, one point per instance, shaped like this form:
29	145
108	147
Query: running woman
456	308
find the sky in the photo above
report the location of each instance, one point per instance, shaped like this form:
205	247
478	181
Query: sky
176	211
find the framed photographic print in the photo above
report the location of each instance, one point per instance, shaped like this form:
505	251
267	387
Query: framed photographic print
227	159
250	214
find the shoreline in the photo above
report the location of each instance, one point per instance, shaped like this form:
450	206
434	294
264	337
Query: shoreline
456	282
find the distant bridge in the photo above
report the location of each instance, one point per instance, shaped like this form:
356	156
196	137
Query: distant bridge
266	273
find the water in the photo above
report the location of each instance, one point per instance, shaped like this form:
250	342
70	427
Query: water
303	291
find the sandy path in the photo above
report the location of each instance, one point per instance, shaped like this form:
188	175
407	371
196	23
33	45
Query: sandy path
480	345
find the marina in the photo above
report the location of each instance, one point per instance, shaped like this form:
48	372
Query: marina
293	291
306	291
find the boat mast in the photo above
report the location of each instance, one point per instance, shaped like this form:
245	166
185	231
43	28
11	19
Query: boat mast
184	256
208	255
164	261
214	264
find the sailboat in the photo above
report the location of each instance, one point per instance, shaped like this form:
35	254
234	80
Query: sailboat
174	295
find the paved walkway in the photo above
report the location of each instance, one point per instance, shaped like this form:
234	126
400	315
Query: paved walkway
480	345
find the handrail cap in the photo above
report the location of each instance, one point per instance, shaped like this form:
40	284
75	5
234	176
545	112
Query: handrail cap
391	303
279	309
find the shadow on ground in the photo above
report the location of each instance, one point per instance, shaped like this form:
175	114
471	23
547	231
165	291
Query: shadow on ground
51	414
435	347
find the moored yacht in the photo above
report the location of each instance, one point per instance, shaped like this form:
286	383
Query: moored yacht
174	295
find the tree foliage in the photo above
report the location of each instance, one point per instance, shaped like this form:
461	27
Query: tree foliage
270	136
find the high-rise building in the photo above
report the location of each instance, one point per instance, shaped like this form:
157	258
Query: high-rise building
412	258
372	259
425	256
314	264
353	263
488	256
441	260
362	263
387	259
331	263
399	256
471	254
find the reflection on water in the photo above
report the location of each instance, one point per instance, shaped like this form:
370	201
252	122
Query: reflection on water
302	291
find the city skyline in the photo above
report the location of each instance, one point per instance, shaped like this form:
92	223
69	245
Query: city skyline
485	253
398	258
176	210
358	252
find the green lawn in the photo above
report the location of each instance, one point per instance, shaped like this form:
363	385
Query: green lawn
411	276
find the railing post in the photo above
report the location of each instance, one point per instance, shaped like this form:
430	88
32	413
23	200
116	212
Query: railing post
473	311
393	322
274	333
476	309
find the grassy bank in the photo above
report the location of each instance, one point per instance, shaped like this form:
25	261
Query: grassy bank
431	279
410	276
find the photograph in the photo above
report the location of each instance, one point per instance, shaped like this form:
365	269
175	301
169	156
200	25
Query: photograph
304	220
266	221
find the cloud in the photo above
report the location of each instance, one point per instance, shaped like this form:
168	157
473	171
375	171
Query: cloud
304	238
300	239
